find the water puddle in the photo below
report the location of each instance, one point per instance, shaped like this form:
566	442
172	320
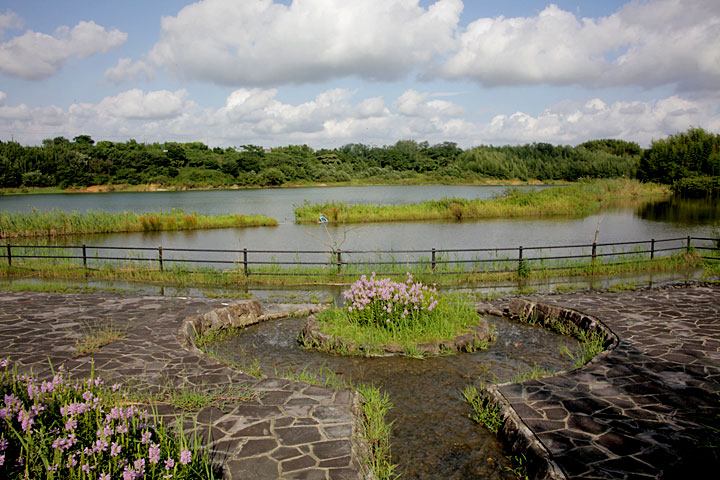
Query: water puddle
432	434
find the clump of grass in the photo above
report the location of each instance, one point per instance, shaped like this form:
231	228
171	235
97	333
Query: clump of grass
376	431
485	412
381	311
574	200
95	339
64	428
591	345
56	222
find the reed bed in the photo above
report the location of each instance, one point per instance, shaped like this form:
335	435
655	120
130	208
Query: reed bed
56	222
575	200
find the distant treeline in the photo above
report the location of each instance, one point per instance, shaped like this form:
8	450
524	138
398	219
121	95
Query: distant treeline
82	162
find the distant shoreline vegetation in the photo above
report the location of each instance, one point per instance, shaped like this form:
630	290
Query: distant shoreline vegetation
574	200
689	162
39	224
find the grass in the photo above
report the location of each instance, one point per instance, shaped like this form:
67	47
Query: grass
575	200
183	275
56	222
383	312
484	411
50	431
95	339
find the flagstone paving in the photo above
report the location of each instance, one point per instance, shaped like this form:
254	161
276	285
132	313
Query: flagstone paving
288	430
648	408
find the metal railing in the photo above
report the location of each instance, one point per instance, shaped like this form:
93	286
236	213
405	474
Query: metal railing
353	262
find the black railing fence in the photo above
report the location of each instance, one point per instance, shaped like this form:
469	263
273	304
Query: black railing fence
353	262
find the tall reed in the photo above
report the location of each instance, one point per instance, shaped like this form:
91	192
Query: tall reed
574	200
56	222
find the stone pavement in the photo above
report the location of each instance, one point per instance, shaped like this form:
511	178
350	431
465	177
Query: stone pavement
289	430
647	408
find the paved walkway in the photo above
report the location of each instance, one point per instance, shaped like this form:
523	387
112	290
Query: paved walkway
649	408
291	430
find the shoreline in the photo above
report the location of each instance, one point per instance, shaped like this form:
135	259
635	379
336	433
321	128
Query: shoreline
154	187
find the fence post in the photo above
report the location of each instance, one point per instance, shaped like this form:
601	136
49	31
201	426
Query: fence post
245	265
520	261
688	244
84	256
9	255
339	260
652	248
160	258
433	259
594	251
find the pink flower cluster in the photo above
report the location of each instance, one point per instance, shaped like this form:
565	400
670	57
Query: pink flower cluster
89	439
382	301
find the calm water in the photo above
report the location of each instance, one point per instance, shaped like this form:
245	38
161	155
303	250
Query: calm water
629	222
432	435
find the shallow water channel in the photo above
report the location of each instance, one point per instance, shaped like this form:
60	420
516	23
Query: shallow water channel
432	434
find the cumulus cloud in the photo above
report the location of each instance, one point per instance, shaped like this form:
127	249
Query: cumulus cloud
35	55
337	117
135	104
265	43
126	70
648	44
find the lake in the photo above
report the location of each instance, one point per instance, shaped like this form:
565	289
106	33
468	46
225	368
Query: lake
628	221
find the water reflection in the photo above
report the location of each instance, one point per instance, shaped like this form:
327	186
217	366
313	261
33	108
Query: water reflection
681	210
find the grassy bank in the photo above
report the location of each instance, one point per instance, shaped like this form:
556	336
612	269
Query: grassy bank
181	275
573	200
40	224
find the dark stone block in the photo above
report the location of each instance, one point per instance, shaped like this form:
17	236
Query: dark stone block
331	449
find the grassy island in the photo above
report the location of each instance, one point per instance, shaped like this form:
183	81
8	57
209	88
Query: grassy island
384	316
40	224
573	200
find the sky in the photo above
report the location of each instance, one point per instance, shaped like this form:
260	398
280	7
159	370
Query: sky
331	72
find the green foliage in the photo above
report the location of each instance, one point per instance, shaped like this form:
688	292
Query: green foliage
485	411
67	429
579	199
57	222
690	161
83	162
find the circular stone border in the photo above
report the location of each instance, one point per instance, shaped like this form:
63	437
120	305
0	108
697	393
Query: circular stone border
311	336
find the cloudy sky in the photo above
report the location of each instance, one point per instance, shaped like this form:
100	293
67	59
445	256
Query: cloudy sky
331	72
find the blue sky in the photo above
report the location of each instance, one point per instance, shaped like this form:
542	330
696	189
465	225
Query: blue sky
331	72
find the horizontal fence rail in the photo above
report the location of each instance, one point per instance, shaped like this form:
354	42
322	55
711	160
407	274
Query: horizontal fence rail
519	259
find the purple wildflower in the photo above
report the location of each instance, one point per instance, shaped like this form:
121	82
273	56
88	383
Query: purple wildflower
154	453
115	449
146	437
185	457
169	463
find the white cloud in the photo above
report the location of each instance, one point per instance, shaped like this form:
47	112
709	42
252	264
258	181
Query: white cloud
3	96
649	44
135	104
336	117
9	20
34	55
127	70
266	43
414	103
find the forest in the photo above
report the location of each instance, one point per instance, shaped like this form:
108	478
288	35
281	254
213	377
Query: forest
690	161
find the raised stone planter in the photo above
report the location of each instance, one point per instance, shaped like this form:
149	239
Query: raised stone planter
311	336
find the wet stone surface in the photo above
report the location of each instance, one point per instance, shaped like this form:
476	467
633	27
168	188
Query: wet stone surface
290	430
649	408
